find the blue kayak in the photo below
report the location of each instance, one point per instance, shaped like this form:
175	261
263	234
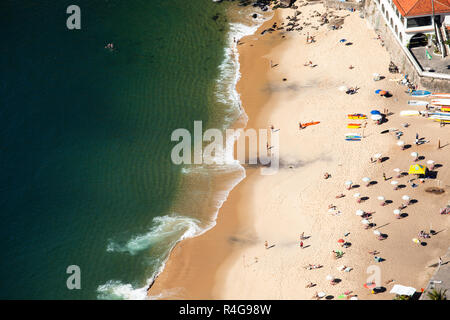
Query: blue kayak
420	93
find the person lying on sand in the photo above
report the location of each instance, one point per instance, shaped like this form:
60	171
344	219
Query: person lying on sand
340	196
310	285
326	175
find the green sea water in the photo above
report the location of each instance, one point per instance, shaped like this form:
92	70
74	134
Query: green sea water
86	176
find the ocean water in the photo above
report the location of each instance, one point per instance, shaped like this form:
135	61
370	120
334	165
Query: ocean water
85	146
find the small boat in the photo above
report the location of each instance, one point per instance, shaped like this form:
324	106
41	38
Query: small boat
442	95
409	113
307	124
420	93
352	136
417	103
357	116
440	120
354	125
352	139
441	102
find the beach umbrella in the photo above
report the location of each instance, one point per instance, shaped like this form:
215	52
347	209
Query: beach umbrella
382	200
415	155
329	277
365	221
370	285
377	91
375	112
359	212
321	294
401	144
342	40
395	183
396	212
354	298
366	180
397	171
407	199
376	232
415	240
341	241
416	169
377	155
357	196
376	117
348	184
430	163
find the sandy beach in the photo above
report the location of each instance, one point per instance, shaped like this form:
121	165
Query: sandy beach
230	261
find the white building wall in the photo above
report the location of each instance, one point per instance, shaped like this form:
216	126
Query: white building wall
398	24
394	20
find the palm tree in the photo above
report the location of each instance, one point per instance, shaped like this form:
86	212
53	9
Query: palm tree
439	294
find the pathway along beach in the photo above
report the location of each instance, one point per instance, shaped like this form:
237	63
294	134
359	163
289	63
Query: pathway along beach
231	262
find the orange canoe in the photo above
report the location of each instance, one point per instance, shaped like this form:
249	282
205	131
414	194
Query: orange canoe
307	124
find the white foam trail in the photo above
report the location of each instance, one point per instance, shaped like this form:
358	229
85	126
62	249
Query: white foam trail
164	227
116	290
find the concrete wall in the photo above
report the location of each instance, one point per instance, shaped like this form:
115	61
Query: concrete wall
376	20
335	4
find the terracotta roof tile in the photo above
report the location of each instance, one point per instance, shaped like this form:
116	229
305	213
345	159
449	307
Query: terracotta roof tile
408	8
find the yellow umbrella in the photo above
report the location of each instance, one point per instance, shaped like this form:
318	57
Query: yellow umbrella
416	169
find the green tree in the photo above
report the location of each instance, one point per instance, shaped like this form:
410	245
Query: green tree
439	294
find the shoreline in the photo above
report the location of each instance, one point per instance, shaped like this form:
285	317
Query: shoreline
186	249
229	260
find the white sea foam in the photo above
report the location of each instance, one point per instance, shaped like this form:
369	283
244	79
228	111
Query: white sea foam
163	229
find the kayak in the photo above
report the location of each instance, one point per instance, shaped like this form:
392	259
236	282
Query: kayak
417	103
441	102
445	109
420	93
443	95
352	136
353	139
354	125
357	116
409	113
307	124
441	120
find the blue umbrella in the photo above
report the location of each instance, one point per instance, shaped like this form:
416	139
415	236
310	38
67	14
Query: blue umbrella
375	112
377	91
342	40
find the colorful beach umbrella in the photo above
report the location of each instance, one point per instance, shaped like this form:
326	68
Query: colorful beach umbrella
416	169
370	285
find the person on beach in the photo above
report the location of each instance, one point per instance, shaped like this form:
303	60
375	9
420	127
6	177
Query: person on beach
326	175
266	245
384	176
302	236
300	126
440	261
301	244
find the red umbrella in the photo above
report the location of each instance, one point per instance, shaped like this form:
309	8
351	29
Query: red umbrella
370	285
341	241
